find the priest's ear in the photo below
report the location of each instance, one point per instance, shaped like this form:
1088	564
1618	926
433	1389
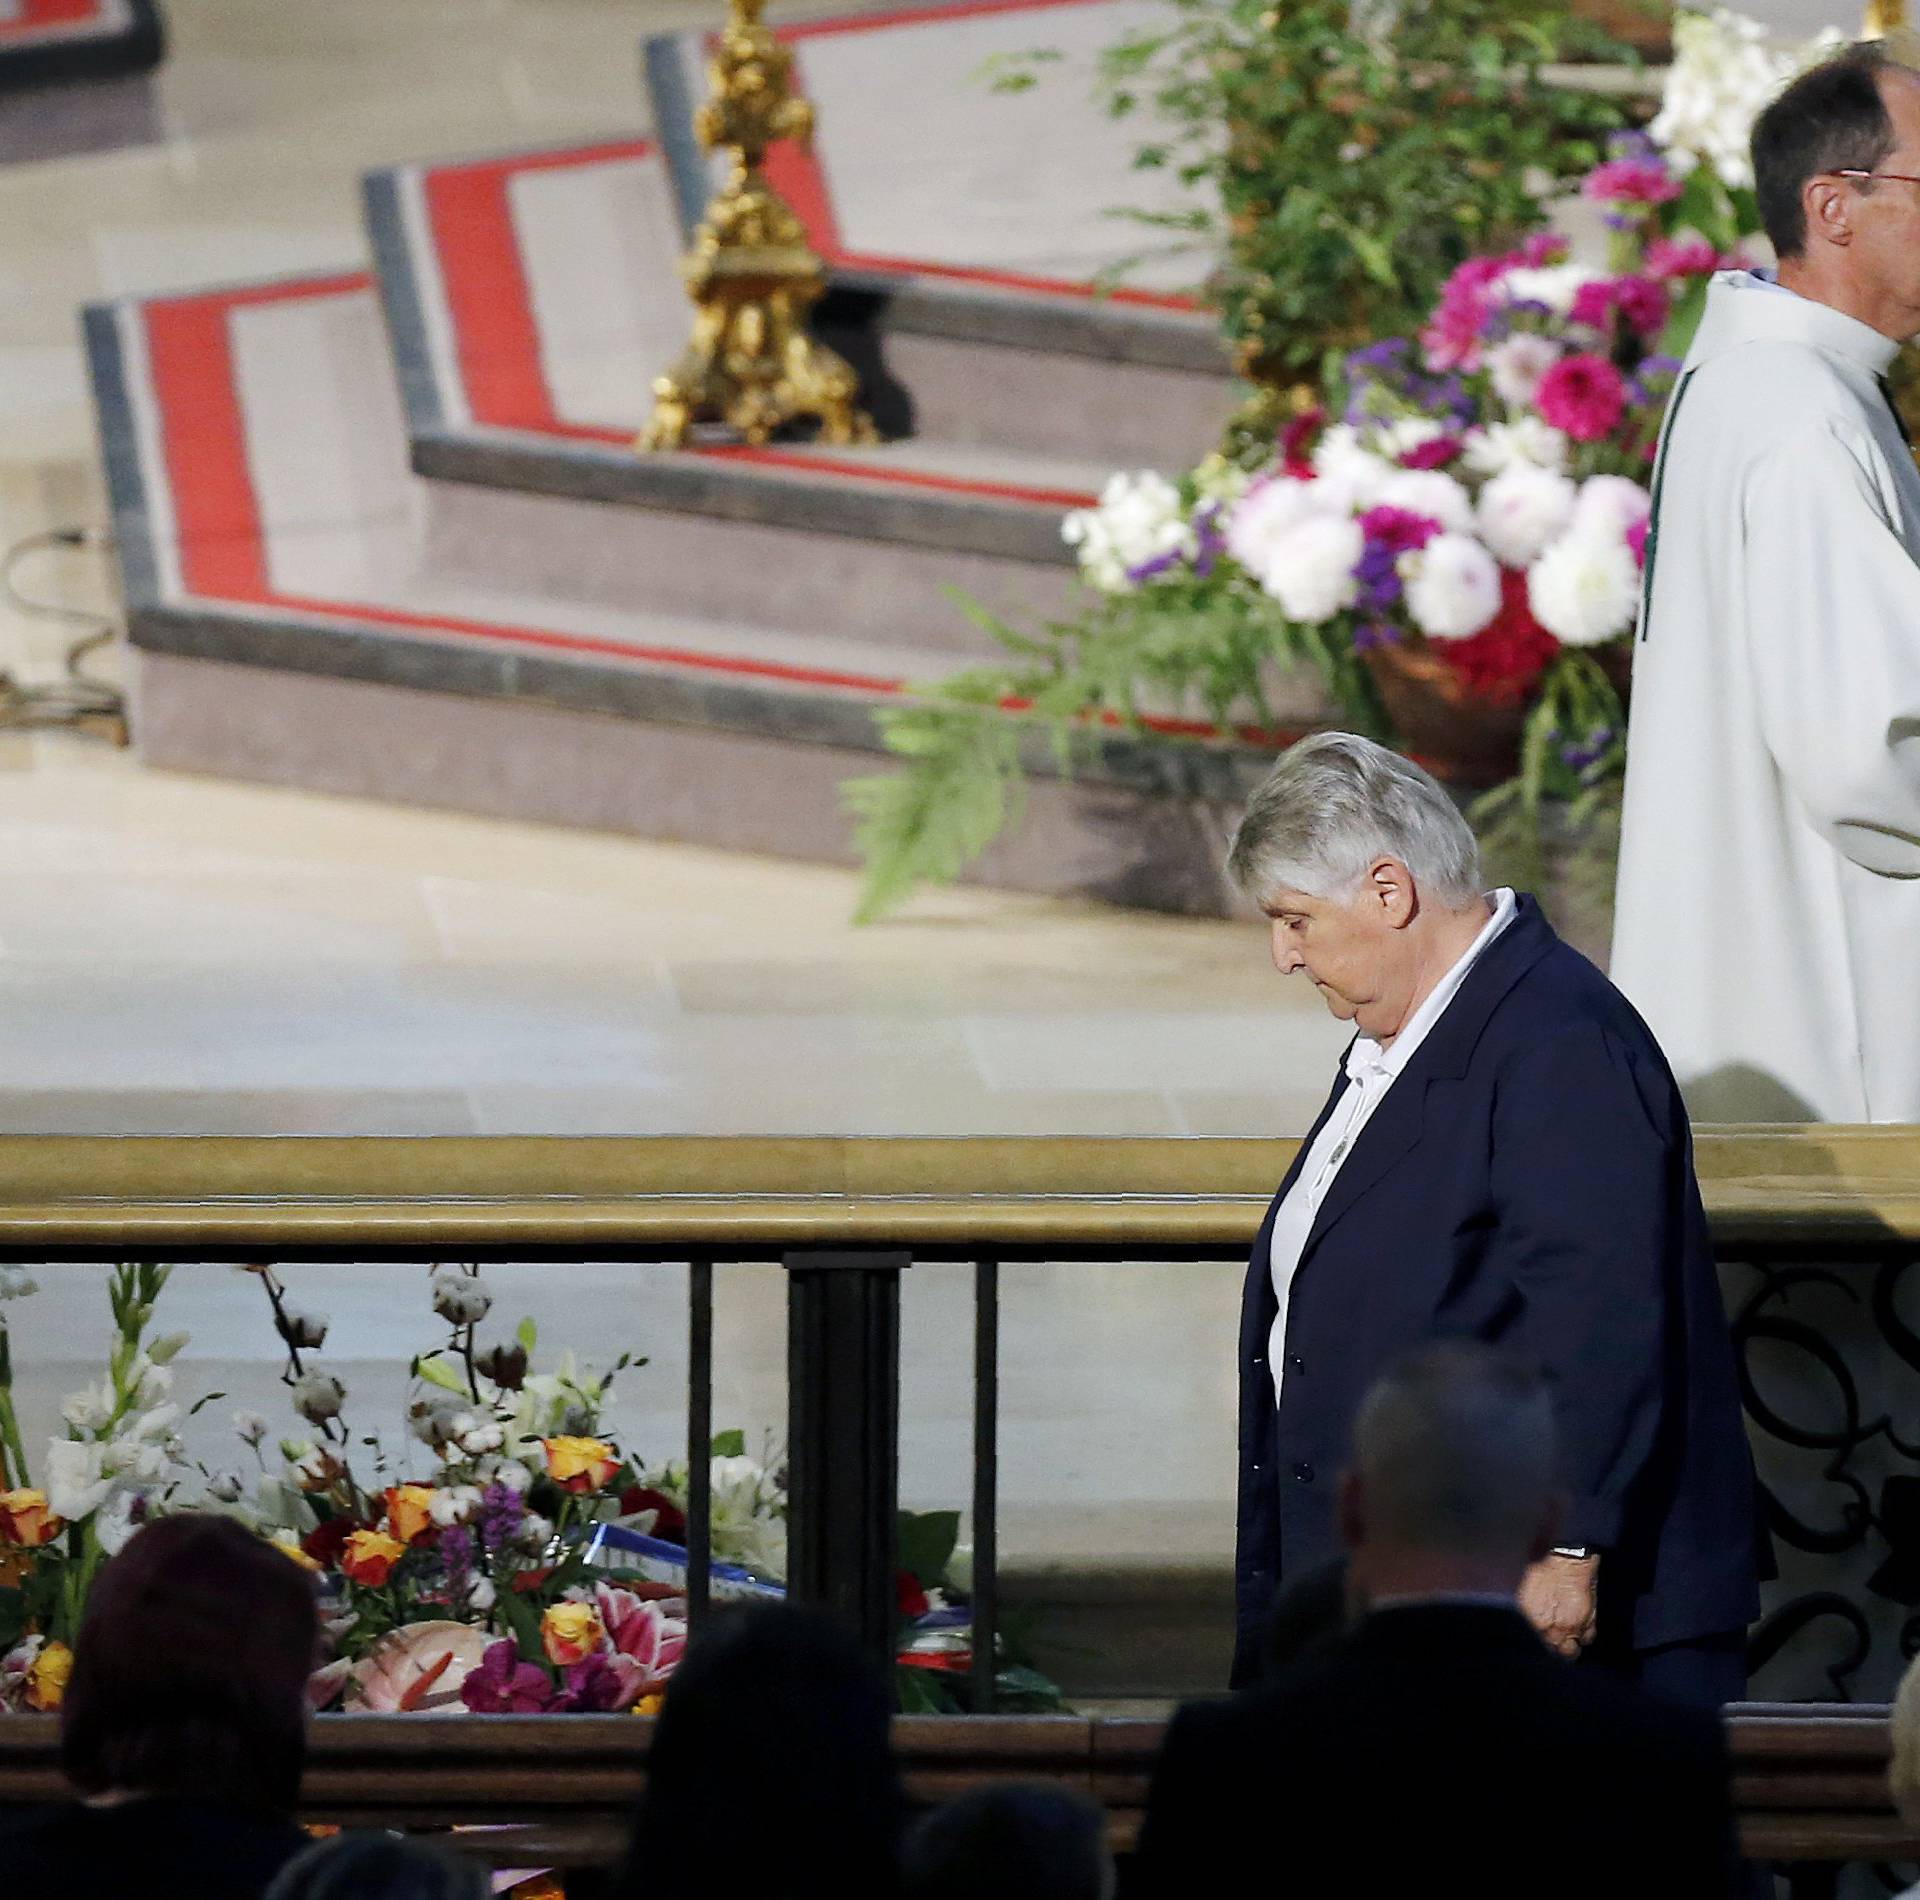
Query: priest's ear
1828	202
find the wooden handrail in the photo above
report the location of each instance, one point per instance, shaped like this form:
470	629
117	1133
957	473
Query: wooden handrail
219	1197
1810	1781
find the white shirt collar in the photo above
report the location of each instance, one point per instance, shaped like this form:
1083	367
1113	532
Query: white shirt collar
1368	1062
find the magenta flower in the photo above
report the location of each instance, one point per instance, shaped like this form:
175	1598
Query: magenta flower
504	1685
1633	181
1434	454
1398	530
1637	539
1541	250
599	1685
1584	396
1640	302
1682	257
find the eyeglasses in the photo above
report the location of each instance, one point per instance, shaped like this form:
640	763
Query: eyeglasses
1893	178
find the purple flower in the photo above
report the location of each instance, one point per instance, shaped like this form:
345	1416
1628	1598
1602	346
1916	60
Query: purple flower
456	1553
600	1685
503	1512
1145	571
1375	633
504	1685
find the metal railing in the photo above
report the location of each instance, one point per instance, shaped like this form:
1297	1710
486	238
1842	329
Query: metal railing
846	1218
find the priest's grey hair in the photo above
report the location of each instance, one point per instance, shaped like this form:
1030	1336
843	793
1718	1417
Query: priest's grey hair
1454	1446
1337	802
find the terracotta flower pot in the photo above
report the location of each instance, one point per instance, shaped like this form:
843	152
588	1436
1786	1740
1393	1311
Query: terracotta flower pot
1456	733
1459	734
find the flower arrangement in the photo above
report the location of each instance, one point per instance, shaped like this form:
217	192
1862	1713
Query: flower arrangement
491	1581
1451	531
118	1462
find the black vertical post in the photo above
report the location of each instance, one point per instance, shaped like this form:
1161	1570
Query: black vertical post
843	1437
986	1479
699	1436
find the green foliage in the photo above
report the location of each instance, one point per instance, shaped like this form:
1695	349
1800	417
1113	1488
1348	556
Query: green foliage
1346	157
731	1444
1190	648
925	1543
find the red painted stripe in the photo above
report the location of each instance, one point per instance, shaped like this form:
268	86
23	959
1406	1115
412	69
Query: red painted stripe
920	16
496	338
38	15
490	301
582	643
796	172
203	443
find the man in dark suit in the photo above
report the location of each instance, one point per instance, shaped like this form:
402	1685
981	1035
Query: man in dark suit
1441	1746
1504	1156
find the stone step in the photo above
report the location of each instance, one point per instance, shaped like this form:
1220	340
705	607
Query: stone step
287	627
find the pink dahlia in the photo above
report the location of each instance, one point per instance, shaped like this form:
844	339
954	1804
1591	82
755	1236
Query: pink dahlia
1637	539
1436	452
1636	181
1640	302
1584	396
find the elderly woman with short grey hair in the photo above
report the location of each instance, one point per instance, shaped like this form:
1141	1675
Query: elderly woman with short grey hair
1504	1156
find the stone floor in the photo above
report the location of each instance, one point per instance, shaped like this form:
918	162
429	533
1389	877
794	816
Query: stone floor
181	956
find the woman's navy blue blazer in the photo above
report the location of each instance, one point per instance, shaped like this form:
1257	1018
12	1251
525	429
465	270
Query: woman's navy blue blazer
1528	1180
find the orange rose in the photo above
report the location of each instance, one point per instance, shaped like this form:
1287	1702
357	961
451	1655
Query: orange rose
47	1676
569	1632
580	1464
409	1511
25	1519
369	1557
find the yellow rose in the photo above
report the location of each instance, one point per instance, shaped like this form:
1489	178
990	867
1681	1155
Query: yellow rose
409	1511
580	1464
570	1632
25	1519
47	1676
288	1545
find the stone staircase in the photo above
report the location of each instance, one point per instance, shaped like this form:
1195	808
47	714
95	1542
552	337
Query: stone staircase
385	533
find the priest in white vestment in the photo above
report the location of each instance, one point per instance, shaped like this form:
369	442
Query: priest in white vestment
1768	910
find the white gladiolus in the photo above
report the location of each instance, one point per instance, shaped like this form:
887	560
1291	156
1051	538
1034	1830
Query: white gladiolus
1271	509
120	1516
1724	72
1585	589
1527	442
1610	505
77	1484
1517	365
88	1409
251	1427
1429	492
226	1487
1139	519
1310	569
1523	510
1453	587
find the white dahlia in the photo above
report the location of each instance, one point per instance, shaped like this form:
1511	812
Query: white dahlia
1429	492
1523	510
1585	588
1453	587
1309	570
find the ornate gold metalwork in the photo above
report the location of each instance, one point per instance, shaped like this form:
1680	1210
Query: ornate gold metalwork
751	273
1884	18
